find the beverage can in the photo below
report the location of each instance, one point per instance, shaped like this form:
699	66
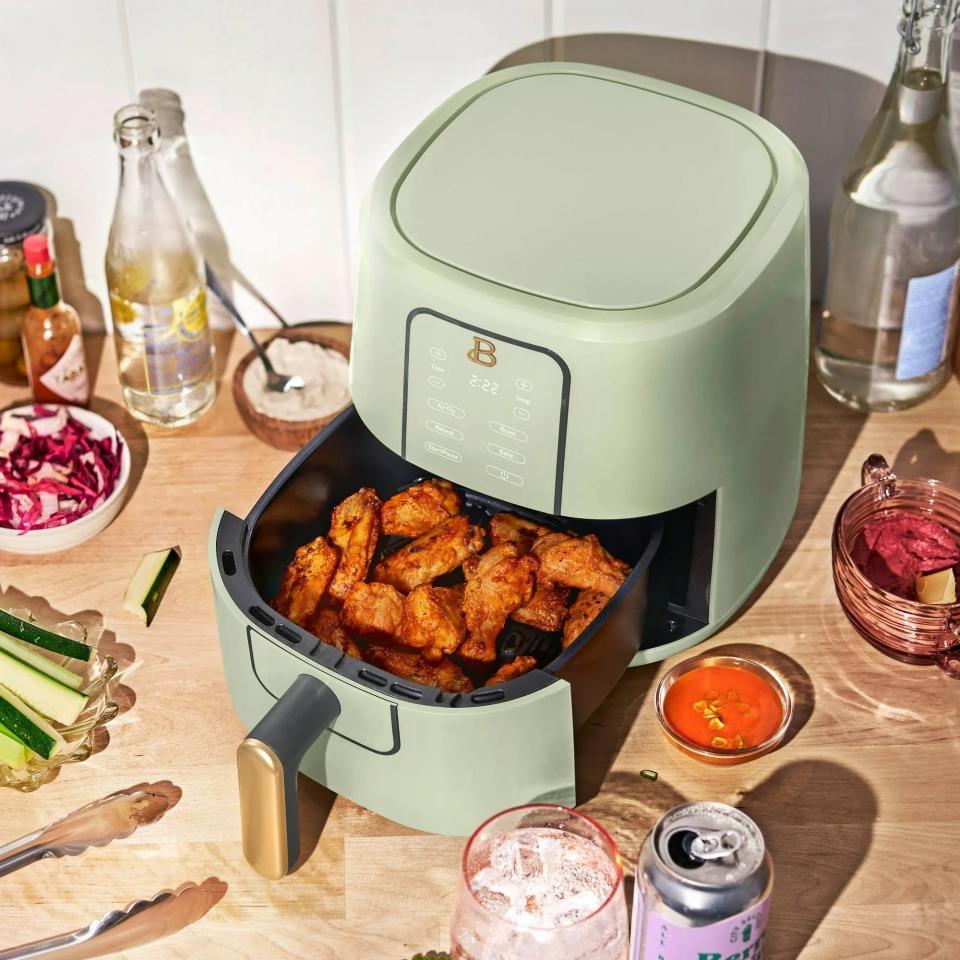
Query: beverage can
703	884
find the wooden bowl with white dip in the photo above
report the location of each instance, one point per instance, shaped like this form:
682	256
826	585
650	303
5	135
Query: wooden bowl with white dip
287	421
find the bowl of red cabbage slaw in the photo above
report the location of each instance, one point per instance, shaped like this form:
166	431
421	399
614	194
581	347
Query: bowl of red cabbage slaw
63	477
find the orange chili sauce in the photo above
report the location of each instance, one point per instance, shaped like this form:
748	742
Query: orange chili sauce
726	708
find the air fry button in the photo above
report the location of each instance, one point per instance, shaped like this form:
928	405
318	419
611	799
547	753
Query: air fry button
441	406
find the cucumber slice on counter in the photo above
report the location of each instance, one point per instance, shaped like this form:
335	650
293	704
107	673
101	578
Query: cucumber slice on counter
29	655
13	751
149	583
31	633
29	726
44	694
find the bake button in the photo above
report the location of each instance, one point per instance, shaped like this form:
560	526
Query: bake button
500	474
445	431
437	354
513	433
436	382
439	451
525	385
441	406
521	413
506	453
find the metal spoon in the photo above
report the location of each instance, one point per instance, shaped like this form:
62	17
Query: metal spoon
143	921
95	825
278	382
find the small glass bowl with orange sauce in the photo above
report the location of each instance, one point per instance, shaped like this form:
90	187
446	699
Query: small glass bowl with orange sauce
723	709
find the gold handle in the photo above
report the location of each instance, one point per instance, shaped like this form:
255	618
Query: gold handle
263	808
267	764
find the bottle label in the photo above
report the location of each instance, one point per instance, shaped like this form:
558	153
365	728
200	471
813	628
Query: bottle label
926	321
67	378
173	340
739	937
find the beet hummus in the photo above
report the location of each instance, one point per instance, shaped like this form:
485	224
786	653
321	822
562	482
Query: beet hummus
893	552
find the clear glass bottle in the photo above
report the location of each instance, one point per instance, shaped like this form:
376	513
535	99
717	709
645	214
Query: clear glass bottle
889	319
157	291
51	334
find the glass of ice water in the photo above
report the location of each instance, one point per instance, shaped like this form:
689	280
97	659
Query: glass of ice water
540	882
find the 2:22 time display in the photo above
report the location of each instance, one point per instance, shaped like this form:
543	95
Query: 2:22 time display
484	384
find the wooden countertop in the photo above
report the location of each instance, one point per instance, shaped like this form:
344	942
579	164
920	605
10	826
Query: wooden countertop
860	809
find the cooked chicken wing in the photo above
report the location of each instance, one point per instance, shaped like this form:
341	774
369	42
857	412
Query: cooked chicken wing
509	528
409	665
325	624
431	623
305	580
579	562
437	552
547	609
373	610
515	668
584	611
482	563
418	509
354	529
502	583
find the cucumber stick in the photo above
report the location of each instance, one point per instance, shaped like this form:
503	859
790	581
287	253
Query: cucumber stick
31	633
29	726
32	658
44	694
149	583
13	751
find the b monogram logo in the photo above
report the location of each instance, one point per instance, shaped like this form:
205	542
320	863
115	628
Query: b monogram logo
483	352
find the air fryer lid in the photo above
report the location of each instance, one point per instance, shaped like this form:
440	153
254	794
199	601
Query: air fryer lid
585	190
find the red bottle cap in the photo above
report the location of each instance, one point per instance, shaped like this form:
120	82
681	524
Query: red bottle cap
36	249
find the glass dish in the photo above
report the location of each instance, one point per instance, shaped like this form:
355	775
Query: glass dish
910	631
100	709
714	754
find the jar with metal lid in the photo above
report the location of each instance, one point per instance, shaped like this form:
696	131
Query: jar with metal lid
23	212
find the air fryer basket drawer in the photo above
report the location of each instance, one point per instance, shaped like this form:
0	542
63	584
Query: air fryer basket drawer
366	719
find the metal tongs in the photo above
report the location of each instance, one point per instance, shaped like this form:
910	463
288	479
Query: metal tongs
95	825
143	921
111	818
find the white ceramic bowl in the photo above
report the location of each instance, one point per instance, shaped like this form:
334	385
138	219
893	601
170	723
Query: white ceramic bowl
90	524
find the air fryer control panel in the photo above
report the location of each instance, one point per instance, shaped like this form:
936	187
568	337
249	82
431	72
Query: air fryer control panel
485	411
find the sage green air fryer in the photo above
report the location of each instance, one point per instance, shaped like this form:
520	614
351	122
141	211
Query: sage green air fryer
582	296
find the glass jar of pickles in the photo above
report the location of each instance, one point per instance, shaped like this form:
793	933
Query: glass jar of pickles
23	212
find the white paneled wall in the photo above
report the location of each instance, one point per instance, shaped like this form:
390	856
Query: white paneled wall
257	85
861	36
400	58
736	23
291	107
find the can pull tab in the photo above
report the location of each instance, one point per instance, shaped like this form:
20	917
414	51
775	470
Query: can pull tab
714	844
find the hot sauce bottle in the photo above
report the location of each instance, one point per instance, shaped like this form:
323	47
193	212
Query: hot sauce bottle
51	334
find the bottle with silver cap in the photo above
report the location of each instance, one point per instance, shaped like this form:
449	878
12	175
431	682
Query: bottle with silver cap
889	320
703	885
